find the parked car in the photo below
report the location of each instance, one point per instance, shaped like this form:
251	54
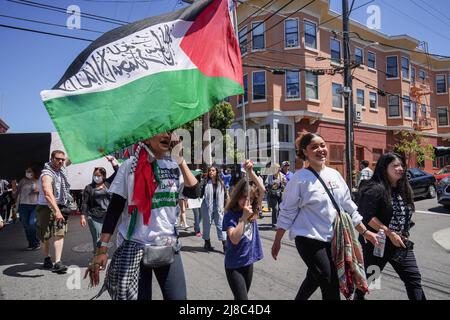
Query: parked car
443	173
422	183
443	192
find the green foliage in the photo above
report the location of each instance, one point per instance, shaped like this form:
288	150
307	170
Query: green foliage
410	144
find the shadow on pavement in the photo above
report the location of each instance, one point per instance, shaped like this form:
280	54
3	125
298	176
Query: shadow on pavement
17	270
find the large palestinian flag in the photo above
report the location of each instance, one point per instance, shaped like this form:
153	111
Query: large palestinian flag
146	78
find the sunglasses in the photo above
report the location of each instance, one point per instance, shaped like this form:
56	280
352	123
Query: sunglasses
59	159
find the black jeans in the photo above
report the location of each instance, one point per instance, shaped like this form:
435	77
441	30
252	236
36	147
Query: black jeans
407	270
240	280
321	270
170	279
274	205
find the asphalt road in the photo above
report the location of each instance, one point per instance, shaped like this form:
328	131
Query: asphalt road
22	278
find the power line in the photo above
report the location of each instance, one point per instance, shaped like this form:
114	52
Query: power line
257	11
437	10
400	48
63	10
416	20
431	13
268	17
43	32
47	23
302	32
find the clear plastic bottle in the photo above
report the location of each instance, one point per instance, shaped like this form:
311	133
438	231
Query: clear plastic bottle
378	250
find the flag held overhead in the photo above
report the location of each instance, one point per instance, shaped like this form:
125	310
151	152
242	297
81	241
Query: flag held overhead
145	78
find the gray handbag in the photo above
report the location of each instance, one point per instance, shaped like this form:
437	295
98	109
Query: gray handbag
158	256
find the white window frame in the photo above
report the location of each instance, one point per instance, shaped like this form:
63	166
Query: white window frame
246	38
437	116
264	35
299	88
404	98
445	82
399	107
398	71
245	102
409	67
362	54
376	100
425	73
364	97
265	86
374	68
298	34
340	52
332	96
414	118
312	99
421	110
304	35
413	80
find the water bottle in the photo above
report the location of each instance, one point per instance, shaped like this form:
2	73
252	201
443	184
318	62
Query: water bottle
378	250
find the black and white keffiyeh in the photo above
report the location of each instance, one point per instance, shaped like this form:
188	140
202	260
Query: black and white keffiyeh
122	275
65	186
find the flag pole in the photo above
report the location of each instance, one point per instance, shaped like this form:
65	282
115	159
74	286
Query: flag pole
244	119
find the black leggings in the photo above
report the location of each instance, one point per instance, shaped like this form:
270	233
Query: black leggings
170	279
407	270
321	270
240	280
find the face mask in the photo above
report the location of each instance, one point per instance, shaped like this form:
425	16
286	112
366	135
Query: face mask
98	179
29	175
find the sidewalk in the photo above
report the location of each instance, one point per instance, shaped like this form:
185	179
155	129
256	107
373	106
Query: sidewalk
442	238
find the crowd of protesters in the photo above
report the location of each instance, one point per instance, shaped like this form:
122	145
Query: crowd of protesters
148	196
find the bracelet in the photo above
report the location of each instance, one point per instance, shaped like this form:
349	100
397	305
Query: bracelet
364	232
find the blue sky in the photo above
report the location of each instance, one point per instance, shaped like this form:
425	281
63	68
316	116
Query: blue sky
32	62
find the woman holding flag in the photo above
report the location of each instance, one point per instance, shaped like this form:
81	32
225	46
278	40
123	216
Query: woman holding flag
145	194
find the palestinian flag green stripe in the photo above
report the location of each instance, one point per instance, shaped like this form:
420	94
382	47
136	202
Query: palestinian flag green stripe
112	119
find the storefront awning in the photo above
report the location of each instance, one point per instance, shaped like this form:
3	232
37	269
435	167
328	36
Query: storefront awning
441	151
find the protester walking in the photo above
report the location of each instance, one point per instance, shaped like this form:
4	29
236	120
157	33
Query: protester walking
386	203
243	246
145	197
51	212
213	193
26	194
96	199
313	210
275	186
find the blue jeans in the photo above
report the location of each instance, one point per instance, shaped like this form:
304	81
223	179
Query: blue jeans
95	226
197	219
27	214
207	221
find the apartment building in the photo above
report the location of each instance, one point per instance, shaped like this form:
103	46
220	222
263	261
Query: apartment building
396	86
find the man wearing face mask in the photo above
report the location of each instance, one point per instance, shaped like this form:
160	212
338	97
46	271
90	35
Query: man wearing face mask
96	198
53	195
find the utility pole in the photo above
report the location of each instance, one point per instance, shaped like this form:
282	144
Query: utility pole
348	98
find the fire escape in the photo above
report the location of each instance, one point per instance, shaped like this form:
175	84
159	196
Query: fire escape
418	93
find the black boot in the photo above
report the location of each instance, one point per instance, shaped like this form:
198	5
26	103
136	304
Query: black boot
208	246
224	244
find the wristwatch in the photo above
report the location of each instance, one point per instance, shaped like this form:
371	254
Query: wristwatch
104	244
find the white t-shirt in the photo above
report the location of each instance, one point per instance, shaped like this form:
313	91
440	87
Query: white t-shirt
306	209
164	205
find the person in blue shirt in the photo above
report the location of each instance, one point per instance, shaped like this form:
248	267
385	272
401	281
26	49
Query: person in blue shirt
285	169
243	247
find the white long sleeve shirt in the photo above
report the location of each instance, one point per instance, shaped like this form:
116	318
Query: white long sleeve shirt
306	209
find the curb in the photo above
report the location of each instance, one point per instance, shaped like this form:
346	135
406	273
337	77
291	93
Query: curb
442	238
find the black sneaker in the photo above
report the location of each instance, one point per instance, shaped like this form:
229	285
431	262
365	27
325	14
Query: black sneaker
59	268
48	264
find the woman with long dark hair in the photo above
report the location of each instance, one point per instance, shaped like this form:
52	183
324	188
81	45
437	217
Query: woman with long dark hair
386	202
212	207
